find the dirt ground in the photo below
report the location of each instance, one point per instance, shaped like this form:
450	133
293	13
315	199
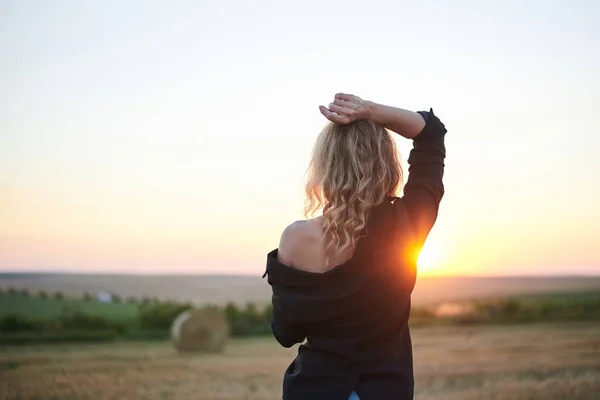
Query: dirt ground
501	362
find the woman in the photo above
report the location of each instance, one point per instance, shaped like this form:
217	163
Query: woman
343	280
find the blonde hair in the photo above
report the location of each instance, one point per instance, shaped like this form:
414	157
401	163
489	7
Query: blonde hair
353	168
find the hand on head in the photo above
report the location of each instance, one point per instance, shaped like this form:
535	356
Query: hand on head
346	108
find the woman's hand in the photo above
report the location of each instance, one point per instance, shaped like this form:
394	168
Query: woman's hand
346	108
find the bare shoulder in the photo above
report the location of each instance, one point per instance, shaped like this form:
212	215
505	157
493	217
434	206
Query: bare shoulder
296	238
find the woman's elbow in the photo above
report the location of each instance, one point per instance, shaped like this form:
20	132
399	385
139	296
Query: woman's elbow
285	337
286	342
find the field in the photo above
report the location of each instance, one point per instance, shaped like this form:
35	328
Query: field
241	289
513	338
467	363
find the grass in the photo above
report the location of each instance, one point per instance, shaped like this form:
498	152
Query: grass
563	306
45	320
51	308
560	298
548	362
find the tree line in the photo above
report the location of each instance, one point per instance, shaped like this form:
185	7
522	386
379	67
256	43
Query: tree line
153	318
153	321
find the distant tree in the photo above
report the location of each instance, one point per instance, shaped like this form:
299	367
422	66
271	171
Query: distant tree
248	320
42	294
267	314
252	313
231	311
160	315
12	290
59	295
511	307
251	308
116	298
24	292
131	300
81	321
87	296
14	323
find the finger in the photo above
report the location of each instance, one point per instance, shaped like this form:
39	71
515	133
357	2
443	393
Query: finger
330	115
333	117
344	96
343	103
340	110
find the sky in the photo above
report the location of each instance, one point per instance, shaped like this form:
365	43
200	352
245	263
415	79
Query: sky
147	137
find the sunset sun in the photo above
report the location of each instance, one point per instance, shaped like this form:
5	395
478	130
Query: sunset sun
428	260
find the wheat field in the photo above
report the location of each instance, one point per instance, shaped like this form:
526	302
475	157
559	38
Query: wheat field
467	363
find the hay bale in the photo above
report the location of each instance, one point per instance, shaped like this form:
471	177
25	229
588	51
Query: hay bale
200	330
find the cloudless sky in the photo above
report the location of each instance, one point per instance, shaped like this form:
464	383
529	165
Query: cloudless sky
173	137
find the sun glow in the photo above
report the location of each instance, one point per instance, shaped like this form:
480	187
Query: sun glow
429	260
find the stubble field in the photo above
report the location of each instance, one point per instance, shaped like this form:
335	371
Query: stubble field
485	362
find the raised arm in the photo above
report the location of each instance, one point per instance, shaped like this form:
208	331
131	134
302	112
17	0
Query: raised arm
424	188
347	108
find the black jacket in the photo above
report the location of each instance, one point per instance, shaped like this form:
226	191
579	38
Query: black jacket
355	317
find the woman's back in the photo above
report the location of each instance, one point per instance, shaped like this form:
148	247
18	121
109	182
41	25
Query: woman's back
353	316
352	307
303	247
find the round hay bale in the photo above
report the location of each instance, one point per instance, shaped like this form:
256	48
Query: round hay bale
200	330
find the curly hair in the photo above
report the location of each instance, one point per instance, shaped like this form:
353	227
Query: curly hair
353	168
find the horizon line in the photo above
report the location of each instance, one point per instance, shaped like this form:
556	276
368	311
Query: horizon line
4	274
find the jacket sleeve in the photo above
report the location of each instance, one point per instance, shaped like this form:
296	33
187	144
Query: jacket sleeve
424	189
286	333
